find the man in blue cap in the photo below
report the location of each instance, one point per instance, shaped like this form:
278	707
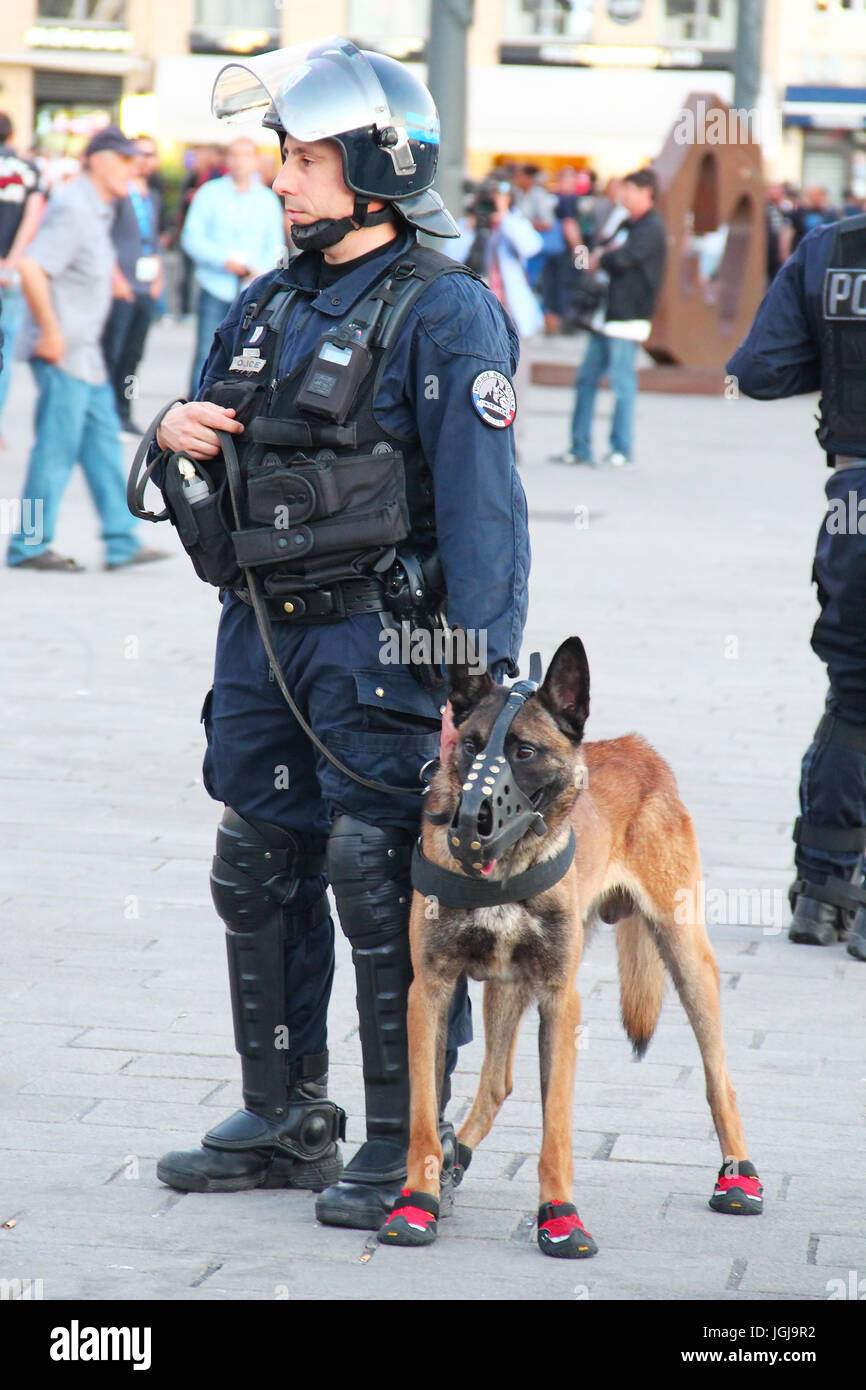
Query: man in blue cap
66	277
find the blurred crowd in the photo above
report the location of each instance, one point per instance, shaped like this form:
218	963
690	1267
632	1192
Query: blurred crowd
186	242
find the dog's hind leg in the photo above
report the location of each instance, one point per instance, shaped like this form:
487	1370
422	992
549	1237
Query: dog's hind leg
504	1006
689	956
560	1230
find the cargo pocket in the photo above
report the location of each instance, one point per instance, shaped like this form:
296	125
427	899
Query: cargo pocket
397	731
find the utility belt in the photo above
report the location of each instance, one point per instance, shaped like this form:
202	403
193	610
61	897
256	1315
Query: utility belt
324	605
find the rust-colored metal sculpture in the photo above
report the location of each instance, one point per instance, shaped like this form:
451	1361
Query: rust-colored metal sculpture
712	200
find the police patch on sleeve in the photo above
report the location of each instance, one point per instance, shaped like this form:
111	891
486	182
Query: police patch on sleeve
494	399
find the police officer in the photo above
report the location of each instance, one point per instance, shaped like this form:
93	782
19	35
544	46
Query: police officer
810	335
382	461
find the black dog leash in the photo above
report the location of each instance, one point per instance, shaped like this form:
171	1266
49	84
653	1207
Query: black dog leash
458	890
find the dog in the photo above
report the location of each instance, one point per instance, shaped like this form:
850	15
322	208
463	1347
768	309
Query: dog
635	863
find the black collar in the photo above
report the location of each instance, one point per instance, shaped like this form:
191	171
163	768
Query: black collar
457	890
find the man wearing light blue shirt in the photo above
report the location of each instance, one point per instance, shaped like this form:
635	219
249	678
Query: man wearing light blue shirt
233	232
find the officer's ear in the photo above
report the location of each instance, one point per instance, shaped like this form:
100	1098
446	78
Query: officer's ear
467	686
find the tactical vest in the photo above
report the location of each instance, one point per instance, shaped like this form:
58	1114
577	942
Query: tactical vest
843	343
328	496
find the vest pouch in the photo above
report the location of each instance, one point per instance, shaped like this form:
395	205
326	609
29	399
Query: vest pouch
359	506
245	398
202	527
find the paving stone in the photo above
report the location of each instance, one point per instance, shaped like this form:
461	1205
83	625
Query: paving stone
114	1018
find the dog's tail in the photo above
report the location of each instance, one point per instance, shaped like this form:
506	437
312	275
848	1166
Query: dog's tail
641	980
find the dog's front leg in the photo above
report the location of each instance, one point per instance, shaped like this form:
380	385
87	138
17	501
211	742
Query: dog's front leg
414	1218
560	1231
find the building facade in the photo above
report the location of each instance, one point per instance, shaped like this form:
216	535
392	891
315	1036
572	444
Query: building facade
597	83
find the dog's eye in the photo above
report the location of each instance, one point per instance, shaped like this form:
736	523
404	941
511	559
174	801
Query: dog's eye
525	751
469	746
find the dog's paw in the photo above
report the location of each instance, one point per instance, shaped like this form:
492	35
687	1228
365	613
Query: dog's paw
414	1220
562	1234
738	1190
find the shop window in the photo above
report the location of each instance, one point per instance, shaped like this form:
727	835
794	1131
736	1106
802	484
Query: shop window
547	19
382	19
234	14
712	22
106	12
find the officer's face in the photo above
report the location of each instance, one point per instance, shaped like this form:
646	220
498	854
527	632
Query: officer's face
311	181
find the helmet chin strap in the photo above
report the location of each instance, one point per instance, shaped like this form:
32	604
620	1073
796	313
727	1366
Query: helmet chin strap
327	231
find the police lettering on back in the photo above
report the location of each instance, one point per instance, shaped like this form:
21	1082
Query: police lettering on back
845	294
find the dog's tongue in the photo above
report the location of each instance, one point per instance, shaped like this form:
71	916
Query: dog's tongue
488	868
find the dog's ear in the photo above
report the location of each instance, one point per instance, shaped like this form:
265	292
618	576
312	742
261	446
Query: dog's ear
565	691
467	686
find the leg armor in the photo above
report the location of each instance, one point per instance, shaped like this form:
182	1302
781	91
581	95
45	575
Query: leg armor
828	891
368	867
287	1133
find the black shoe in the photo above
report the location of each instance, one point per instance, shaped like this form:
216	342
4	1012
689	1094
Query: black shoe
857	937
374	1180
236	1161
816	923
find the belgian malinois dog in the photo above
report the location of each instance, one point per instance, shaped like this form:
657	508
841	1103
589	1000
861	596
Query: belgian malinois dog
635	864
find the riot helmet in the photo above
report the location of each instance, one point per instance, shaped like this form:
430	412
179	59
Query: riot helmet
382	117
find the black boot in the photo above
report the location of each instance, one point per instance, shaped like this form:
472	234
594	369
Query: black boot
295	1148
815	923
369	871
287	1133
857	938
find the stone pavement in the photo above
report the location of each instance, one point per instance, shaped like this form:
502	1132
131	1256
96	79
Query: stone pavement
688	580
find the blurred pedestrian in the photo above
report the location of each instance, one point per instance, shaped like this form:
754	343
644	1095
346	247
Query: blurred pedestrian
633	263
497	241
814	211
233	232
538	205
66	277
780	230
204	163
138	283
22	202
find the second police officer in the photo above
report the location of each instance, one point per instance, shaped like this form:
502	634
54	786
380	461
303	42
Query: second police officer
348	465
810	335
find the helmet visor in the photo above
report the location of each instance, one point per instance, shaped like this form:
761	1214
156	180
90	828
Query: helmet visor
317	89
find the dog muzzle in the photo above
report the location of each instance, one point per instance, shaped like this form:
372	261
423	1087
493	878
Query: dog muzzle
494	812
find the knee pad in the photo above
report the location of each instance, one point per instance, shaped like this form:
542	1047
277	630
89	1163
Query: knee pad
257	870
368	866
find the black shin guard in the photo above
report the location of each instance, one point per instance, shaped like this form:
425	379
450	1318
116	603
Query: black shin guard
255	877
368	867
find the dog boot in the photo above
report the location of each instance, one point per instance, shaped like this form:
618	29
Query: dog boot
562	1234
739	1193
414	1220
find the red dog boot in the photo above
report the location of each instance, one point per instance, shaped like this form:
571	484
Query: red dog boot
562	1234
738	1189
414	1220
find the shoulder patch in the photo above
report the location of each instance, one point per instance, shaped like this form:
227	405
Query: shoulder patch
494	399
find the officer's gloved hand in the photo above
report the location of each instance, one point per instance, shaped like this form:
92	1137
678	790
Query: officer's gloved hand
448	737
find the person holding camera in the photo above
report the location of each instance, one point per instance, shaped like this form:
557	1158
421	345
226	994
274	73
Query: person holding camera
628	268
496	241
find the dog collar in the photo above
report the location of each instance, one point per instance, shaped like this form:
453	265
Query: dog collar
456	890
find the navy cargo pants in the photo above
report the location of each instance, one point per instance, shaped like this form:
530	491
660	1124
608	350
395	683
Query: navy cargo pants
375	718
833	777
